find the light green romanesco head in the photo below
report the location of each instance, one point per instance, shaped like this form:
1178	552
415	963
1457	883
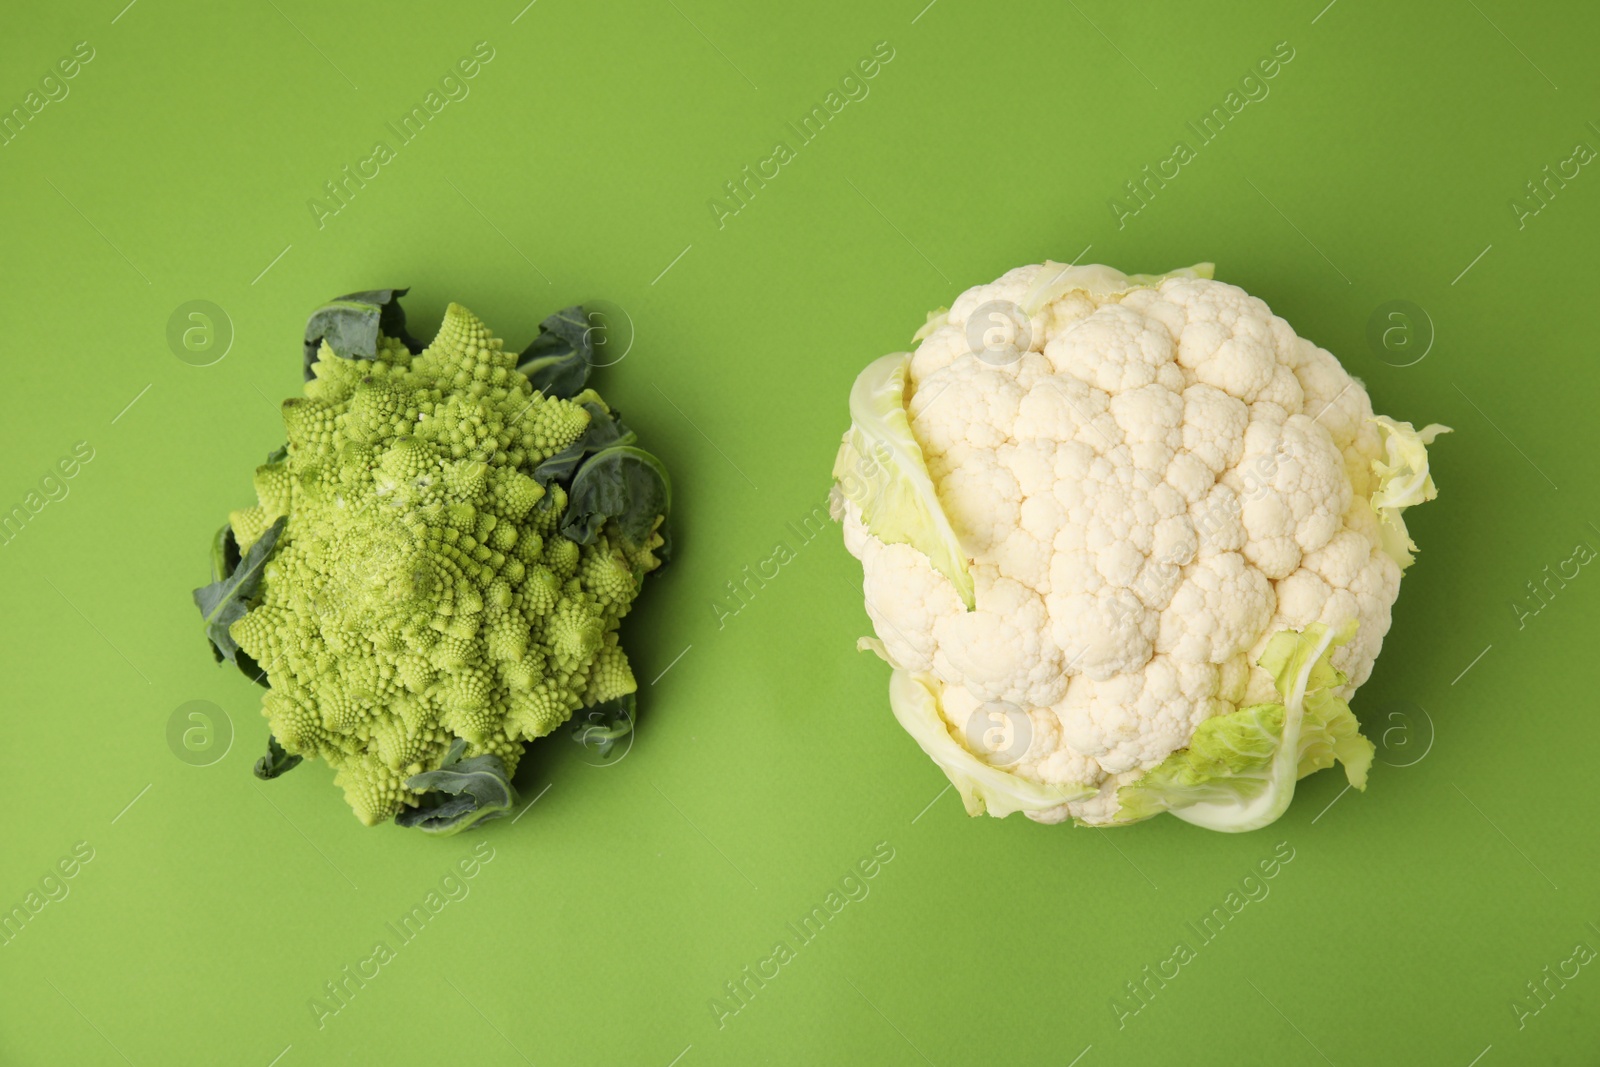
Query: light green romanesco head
421	589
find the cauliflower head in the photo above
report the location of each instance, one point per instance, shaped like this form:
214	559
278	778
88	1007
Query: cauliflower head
445	566
1129	543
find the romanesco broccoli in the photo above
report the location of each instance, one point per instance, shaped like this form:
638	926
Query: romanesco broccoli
441	583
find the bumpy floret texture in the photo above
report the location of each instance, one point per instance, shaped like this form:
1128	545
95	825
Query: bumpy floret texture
420	591
1164	479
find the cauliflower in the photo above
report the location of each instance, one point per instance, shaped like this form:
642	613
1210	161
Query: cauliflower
1129	544
438	561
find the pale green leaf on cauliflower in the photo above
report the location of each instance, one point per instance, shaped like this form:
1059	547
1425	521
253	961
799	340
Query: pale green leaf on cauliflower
1403	481
880	467
1239	769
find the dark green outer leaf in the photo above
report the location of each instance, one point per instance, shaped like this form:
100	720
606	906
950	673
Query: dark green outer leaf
351	324
461	793
600	727
558	361
605	430
224	560
253	670
224	602
224	553
624	484
275	762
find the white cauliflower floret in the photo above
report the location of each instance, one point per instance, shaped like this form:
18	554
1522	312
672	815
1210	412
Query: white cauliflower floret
905	596
938	350
1291	483
1213	426
1218	612
1158	479
980	496
1002	650
1136	720
1116	349
967	403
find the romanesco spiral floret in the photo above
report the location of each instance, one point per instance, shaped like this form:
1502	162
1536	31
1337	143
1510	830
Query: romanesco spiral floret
611	677
421	590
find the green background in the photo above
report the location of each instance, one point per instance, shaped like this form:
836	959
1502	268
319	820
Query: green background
767	763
